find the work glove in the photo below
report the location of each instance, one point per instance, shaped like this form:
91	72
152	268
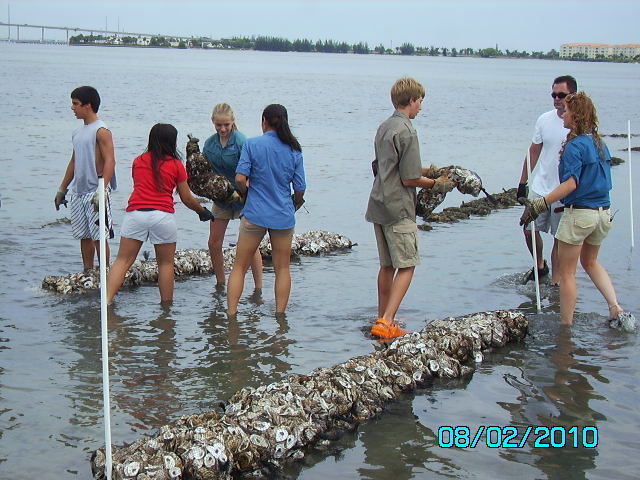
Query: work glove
522	192
236	196
443	184
433	172
59	199
533	208
374	167
205	215
296	205
95	200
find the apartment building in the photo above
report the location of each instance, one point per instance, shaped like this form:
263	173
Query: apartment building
593	50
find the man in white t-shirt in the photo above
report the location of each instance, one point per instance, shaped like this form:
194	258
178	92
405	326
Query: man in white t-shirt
544	154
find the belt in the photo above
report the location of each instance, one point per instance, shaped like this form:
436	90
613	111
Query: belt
580	207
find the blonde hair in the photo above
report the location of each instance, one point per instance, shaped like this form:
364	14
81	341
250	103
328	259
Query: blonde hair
226	110
405	90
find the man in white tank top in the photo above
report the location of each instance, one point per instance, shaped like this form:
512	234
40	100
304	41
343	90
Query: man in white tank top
544	154
93	156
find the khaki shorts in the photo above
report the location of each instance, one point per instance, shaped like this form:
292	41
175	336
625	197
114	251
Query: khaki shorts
583	225
248	228
398	244
223	214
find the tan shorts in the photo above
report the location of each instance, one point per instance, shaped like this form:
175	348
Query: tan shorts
224	214
583	225
398	244
248	228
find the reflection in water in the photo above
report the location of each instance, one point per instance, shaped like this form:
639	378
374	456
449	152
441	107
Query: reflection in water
400	447
240	351
565	402
143	362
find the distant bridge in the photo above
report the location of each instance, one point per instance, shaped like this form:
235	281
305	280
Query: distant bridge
78	29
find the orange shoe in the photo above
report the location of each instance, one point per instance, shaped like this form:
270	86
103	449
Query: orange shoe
384	321
382	330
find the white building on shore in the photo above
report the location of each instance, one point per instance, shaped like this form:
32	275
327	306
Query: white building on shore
593	50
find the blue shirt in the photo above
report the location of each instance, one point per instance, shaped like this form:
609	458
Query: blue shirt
581	160
272	168
224	160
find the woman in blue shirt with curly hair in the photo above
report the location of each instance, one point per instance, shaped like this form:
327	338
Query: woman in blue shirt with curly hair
270	167
585	176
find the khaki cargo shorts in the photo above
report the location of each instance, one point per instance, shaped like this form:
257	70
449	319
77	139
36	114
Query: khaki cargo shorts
584	225
224	214
398	244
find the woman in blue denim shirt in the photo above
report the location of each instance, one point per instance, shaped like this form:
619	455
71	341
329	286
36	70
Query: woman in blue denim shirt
585	176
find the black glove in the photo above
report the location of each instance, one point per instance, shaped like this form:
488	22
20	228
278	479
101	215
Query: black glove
533	209
522	192
60	200
296	205
205	215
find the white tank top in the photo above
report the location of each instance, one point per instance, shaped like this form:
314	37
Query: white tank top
85	177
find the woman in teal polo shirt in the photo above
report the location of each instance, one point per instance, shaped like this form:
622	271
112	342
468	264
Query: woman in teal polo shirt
270	167
223	152
585	176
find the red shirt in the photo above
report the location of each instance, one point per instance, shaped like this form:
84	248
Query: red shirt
145	192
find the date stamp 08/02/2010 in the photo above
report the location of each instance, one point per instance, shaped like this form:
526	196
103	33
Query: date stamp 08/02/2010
513	437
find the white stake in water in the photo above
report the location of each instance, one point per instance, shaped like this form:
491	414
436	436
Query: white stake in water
630	182
533	241
105	333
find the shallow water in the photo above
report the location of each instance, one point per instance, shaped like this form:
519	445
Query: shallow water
186	358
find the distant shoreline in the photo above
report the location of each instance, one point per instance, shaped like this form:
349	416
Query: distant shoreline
334	47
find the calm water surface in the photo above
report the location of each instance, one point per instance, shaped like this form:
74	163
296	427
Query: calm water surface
187	358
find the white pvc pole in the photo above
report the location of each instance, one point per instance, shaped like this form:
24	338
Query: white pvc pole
105	333
533	241
630	182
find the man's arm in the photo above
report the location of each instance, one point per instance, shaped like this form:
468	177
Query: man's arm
68	174
422	182
534	155
104	141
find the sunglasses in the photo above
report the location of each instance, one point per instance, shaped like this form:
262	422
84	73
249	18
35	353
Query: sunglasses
559	95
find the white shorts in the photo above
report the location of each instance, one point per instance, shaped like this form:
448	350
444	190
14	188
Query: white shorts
155	225
549	220
85	222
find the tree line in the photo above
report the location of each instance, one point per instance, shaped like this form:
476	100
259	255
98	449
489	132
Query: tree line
279	44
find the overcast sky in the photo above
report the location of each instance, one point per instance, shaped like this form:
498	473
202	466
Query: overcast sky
530	25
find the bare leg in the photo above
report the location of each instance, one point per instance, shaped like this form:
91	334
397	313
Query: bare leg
164	257
217	229
245	252
281	252
399	288
256	269
127	254
539	246
106	251
568	260
599	277
554	263
385	280
87	249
